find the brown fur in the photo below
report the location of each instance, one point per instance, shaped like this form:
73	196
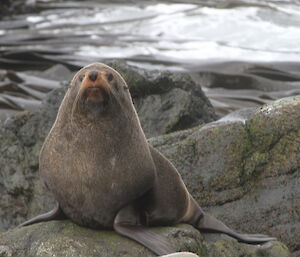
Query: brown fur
95	174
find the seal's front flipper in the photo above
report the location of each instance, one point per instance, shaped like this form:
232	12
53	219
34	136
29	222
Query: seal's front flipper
127	223
55	214
154	242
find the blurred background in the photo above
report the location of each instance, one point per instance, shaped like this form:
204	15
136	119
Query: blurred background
243	53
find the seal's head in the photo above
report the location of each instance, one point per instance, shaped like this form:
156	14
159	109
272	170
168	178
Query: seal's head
97	90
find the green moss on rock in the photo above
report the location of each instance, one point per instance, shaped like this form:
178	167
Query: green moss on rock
64	238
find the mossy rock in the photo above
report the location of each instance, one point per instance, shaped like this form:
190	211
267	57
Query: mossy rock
64	238
245	168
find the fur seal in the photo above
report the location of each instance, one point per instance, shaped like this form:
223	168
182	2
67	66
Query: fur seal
104	174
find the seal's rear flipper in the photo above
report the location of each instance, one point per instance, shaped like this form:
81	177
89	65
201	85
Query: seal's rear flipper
210	224
206	223
55	214
128	223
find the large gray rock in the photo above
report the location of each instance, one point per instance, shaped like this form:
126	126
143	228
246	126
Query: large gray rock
165	101
245	168
64	238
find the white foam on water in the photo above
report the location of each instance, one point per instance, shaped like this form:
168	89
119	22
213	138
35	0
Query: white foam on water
182	32
205	33
34	19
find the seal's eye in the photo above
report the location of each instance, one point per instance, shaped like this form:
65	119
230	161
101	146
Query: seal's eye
81	77
109	76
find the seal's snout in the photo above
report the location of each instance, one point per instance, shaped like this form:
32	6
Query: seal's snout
93	75
95	93
95	86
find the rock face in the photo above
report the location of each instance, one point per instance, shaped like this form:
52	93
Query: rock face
165	101
244	169
64	238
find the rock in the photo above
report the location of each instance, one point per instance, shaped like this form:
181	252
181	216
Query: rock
57	72
64	238
296	254
247	162
21	138
21	91
9	7
251	77
234	85
165	101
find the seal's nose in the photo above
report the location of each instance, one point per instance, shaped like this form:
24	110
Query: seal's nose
93	75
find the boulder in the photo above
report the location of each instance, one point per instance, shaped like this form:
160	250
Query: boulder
245	168
64	238
166	101
10	7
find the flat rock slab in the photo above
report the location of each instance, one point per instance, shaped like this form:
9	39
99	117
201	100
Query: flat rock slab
64	238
